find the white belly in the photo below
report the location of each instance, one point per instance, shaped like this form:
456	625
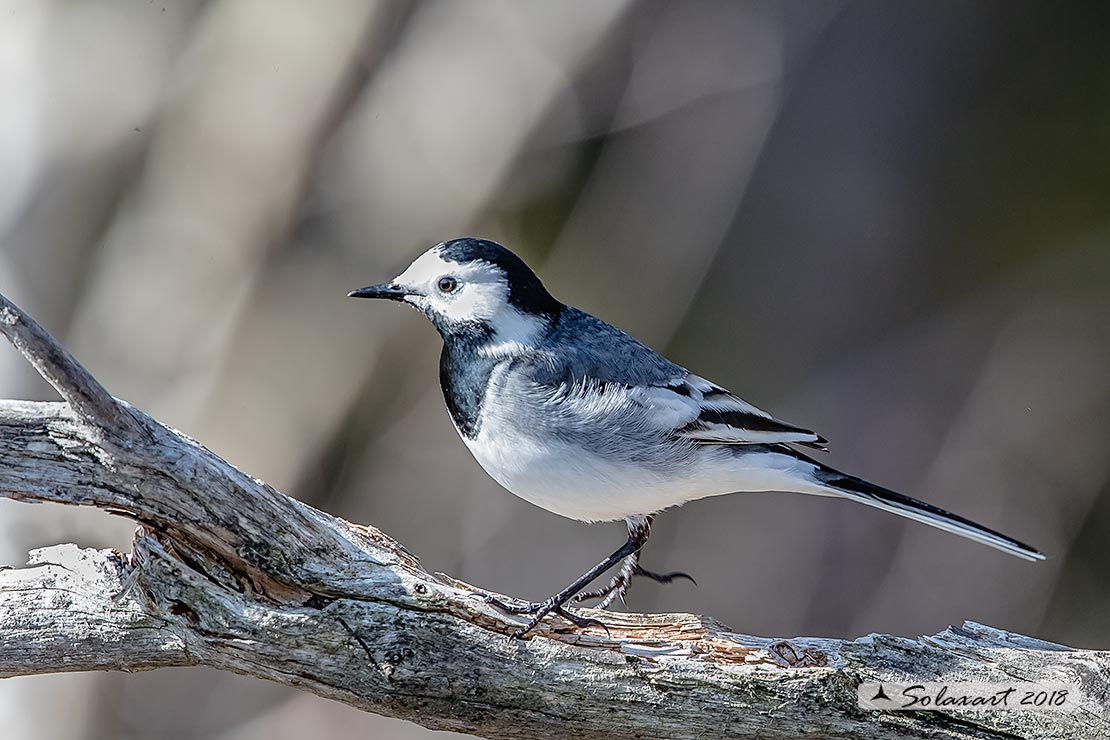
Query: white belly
596	457
578	484
572	483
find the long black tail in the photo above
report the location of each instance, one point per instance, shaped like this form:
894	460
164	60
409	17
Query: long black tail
860	490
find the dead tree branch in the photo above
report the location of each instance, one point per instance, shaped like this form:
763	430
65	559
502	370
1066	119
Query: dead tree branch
229	573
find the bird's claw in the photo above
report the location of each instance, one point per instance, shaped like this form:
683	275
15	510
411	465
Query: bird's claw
523	607
581	622
663	577
537	617
539	610
619	585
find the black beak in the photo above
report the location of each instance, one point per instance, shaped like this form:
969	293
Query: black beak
386	290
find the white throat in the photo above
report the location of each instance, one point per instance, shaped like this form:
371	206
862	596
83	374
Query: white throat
513	332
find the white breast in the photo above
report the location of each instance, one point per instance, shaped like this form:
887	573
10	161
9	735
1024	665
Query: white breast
579	485
519	446
570	482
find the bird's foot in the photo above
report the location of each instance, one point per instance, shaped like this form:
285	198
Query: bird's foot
616	588
520	607
663	577
539	610
551	607
620	583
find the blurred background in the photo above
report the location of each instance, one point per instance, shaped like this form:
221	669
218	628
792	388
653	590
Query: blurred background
888	222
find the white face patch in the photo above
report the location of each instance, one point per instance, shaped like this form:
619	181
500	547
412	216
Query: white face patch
481	295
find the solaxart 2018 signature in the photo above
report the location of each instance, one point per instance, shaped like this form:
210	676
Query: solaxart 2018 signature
1016	696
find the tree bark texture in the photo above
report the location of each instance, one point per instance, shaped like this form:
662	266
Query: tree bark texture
229	573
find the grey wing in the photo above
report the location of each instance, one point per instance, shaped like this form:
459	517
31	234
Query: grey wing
724	418
585	351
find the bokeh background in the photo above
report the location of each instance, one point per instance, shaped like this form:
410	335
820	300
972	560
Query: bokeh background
886	221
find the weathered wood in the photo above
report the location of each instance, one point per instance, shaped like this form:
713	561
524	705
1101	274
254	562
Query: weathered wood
227	572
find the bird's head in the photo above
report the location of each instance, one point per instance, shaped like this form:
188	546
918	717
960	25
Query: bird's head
473	286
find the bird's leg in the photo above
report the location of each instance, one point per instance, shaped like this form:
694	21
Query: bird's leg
620	583
617	586
638	530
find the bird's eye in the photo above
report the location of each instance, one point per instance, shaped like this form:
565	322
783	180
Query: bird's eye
447	284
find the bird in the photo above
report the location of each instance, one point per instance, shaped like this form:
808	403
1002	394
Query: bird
577	417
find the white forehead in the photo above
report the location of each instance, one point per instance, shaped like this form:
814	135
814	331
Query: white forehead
432	265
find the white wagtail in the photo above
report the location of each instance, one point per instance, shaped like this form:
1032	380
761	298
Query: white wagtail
577	417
